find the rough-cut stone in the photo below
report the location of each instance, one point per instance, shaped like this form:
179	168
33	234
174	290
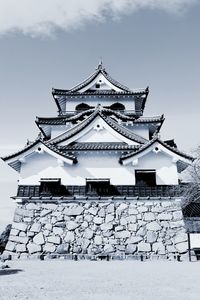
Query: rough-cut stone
144	247
110	208
133	227
57	231
102	212
106	226
132	219
109	218
164	216
98	220
153	226
93	211
98	240
49	248
177	215
48	226
69	238
130	249
50	206
122	234
123	221
141	231
122	207
88	234
21	248
39	239
151	236
24	212
119	228
45	212
133	211
19	239
36	227
33	248
134	240
180	238
14	232
85	244
84	224
10	246
73	210
63	248
19	226
177	224
33	206
158	247
142	209
149	216
108	248
54	239
171	249
71	225
182	247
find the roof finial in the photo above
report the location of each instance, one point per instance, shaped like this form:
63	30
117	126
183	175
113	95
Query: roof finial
100	65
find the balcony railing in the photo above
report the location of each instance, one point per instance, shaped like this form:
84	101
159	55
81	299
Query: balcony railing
27	191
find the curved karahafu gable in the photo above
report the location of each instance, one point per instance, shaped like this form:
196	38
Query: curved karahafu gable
156	145
15	160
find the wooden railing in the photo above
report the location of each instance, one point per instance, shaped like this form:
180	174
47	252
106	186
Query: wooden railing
118	190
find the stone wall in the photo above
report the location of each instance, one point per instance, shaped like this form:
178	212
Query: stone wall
98	228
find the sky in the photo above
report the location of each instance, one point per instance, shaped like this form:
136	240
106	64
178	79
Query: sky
58	43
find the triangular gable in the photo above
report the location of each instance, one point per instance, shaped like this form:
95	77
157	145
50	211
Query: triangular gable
91	123
101	77
15	160
157	146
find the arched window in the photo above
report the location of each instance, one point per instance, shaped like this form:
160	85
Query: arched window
82	106
117	106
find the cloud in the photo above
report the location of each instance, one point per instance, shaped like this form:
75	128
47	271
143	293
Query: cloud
42	17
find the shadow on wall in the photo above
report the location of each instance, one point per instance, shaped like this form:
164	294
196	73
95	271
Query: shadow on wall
10	271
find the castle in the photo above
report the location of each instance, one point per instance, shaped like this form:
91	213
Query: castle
98	180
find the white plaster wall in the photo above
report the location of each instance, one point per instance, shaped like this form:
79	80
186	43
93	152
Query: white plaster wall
96	164
166	170
140	129
90	165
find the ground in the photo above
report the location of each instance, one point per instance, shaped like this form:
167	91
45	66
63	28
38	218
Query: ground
100	280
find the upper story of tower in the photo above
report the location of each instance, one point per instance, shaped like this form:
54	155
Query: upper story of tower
101	89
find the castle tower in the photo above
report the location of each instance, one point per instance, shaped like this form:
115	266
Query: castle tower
98	180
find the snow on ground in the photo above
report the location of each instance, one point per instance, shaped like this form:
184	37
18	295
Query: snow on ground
100	280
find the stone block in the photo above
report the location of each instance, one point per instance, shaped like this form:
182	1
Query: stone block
17	218
73	210
154	226
21	248
71	225
122	234
177	215
108	249
109	218
51	206
57	231
133	227
171	249
85	244
33	248
19	226
141	231
131	249
84	224
63	248
10	246
182	247
164	216
123	221
48	226
33	206
88	234
69	237
98	240
180	238
24	212
132	219
14	232
102	212
88	218
45	212
93	211
149	216
36	227
133	211
151	236
30	233
144	247
39	239
106	226
98	220
49	248
166	204
110	208
119	228
142	209
158	248
177	224
22	233
134	240
19	239
54	239
122	207
60	224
